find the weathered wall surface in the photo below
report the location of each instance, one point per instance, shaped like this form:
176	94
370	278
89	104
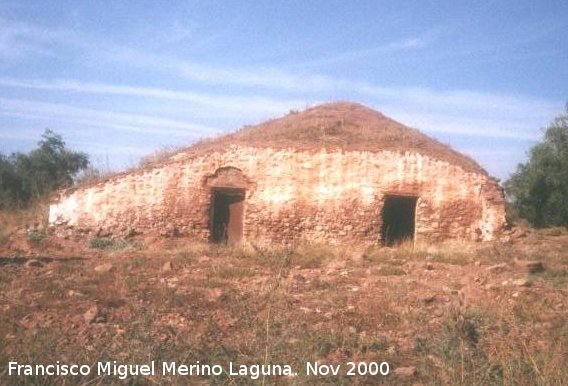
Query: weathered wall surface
333	196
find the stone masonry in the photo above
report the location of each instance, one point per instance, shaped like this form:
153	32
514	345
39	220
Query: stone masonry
290	195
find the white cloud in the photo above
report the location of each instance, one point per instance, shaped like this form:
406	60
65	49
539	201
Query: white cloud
469	104
467	111
235	104
439	121
98	148
500	161
461	112
18	39
402	45
102	119
18	135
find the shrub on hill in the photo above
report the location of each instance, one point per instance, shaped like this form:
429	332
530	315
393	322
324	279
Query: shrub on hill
28	177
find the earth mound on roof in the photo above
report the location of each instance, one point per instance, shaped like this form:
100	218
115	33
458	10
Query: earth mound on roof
339	125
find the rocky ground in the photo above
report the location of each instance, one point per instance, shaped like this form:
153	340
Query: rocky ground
456	313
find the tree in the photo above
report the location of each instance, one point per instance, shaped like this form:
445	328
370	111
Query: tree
25	177
10	184
539	188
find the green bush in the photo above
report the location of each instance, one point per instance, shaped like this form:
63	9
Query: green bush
28	177
538	189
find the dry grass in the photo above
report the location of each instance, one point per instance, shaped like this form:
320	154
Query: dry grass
159	156
456	323
497	344
34	217
449	252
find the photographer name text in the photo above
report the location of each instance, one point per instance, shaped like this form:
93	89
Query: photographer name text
252	371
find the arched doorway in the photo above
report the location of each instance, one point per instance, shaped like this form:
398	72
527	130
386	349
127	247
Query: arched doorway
228	191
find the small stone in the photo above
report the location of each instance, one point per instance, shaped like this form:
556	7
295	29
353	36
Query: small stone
91	314
429	299
204	259
429	266
104	268
94	315
130	232
168	266
433	250
522	282
497	268
519	233
215	295
34	263
405	372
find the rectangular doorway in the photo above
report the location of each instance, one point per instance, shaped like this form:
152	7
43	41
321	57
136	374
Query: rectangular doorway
399	219
227	215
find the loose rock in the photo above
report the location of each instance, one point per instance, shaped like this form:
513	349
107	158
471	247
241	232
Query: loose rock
215	295
89	316
522	282
104	268
33	263
94	315
497	268
168	266
405	372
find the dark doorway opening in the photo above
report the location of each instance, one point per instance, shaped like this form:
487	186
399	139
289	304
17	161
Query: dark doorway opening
399	215
227	215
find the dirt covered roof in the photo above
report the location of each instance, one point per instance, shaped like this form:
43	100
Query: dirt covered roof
339	125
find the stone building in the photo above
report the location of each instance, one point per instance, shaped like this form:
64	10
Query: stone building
337	172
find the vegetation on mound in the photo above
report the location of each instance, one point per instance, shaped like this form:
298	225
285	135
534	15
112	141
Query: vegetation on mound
339	125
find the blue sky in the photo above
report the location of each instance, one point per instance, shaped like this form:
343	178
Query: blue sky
120	79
